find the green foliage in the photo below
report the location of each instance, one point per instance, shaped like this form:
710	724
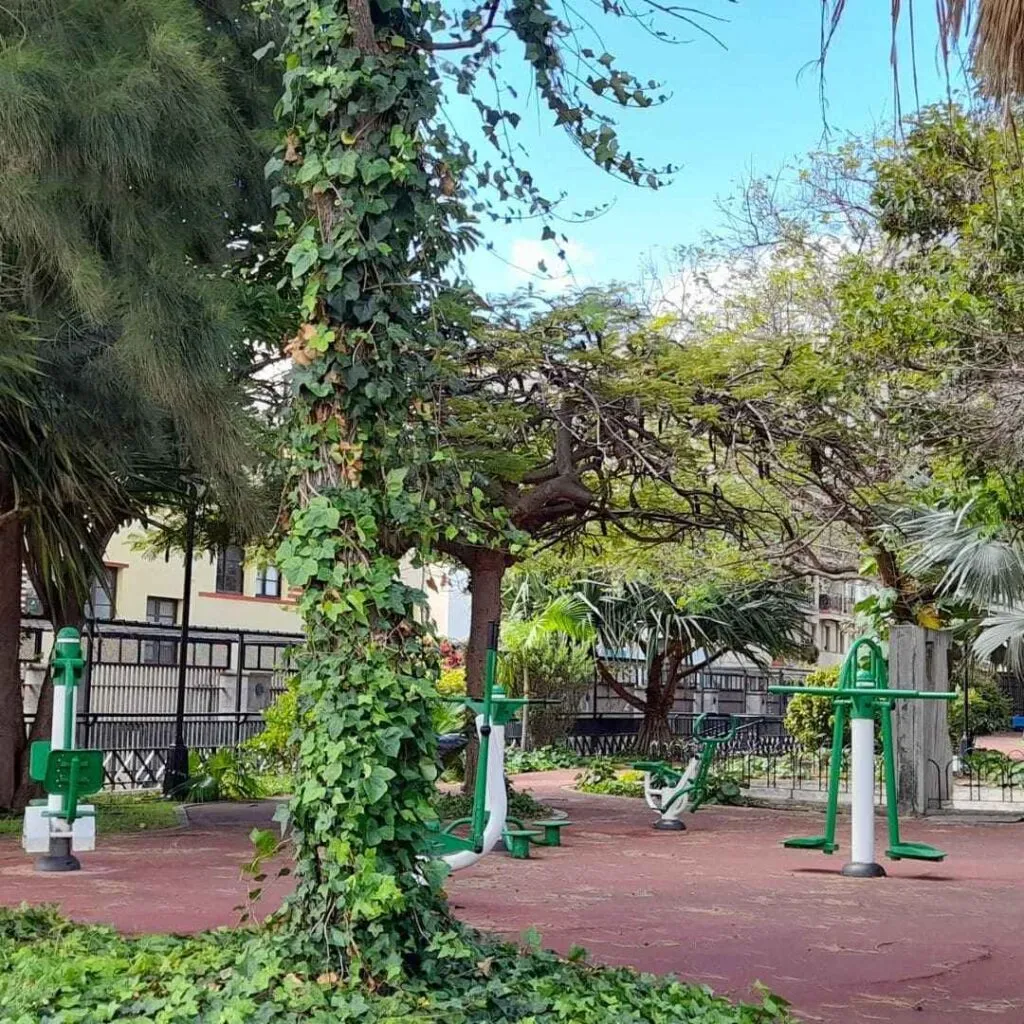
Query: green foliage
224	774
603	776
63	973
543	759
725	787
989	710
546	665
809	720
277	746
521	804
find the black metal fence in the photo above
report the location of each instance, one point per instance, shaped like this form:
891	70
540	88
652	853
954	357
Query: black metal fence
132	667
129	689
732	686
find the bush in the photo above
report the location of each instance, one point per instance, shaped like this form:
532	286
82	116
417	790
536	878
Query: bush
604	777
809	720
546	759
725	787
278	746
450	806
558	669
989	710
63	973
226	774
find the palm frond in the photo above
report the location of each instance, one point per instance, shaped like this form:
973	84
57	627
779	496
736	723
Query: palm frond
1002	633
977	563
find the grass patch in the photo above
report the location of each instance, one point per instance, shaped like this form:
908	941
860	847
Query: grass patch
117	813
52	970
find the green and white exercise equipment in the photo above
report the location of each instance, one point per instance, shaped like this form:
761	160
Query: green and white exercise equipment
670	791
61	825
862	692
486	825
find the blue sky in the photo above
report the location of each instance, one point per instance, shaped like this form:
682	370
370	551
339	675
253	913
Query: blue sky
751	107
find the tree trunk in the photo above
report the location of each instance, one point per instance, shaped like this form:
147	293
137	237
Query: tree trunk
486	571
12	721
655	735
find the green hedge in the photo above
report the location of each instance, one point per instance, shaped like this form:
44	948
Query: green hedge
54	972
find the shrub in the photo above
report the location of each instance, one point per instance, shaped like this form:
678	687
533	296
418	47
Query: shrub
989	710
558	669
223	775
725	787
277	747
450	806
545	759
604	777
63	973
809	720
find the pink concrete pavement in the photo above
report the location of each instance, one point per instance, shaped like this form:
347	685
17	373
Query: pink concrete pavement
721	903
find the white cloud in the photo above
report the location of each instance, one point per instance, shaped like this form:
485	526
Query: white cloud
526	253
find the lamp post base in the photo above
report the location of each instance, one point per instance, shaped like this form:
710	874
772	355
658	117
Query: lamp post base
60	858
176	770
856	869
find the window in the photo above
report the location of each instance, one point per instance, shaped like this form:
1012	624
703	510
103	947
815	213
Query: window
827	636
268	582
230	570
161	611
103	598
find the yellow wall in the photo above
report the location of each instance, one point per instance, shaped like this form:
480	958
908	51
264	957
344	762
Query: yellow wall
141	576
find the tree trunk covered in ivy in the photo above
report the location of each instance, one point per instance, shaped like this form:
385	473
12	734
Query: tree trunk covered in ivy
368	228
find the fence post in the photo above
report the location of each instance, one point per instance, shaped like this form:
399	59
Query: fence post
86	706
238	687
918	661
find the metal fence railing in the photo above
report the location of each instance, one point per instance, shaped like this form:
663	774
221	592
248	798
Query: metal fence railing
132	667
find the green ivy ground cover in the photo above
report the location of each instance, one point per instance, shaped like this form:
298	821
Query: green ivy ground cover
56	972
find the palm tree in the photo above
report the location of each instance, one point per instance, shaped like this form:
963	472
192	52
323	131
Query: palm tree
547	655
979	563
680	635
994	30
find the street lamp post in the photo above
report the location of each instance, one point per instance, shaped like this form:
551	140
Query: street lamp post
176	771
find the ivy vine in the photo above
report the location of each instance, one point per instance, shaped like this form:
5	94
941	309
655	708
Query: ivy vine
370	189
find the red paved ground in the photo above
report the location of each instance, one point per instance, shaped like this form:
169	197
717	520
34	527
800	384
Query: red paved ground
721	903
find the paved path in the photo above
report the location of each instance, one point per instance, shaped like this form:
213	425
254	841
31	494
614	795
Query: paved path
721	903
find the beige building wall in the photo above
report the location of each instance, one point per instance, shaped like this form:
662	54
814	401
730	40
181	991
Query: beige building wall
141	576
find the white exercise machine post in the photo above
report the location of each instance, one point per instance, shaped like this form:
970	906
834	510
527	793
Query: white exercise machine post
496	804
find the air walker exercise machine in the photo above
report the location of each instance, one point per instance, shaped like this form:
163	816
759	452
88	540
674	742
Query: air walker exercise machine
862	693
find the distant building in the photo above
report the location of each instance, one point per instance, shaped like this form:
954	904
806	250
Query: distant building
228	592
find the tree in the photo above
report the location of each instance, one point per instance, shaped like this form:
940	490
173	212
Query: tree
547	654
554	420
864	354
990	27
371	193
127	170
681	635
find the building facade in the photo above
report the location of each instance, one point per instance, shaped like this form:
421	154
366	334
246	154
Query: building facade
229	592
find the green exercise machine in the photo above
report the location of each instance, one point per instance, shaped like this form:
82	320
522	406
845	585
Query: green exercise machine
862	694
461	843
61	825
671	791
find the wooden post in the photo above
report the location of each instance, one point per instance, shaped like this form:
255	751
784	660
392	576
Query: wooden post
919	660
